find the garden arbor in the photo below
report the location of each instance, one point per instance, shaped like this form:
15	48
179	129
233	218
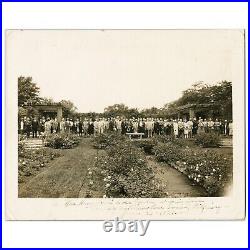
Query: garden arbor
51	110
194	110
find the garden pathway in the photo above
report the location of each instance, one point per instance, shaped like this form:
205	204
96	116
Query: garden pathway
65	177
176	183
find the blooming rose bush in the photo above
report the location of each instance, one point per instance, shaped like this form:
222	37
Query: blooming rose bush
126	173
208	140
63	141
31	161
211	170
181	142
103	141
207	168
167	152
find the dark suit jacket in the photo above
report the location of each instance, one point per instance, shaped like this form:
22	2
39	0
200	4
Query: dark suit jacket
35	125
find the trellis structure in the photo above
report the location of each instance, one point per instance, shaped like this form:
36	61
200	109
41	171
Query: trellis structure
193	110
49	109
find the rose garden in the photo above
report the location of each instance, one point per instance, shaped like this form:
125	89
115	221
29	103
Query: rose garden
111	164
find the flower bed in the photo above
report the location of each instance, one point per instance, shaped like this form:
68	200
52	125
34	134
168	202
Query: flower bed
164	138
208	140
125	172
103	141
207	168
63	141
30	162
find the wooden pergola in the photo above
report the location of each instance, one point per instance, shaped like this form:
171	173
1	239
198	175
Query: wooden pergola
191	110
50	108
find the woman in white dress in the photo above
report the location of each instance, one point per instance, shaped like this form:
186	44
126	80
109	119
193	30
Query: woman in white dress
47	127
62	125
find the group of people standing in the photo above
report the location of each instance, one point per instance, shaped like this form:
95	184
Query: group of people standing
183	128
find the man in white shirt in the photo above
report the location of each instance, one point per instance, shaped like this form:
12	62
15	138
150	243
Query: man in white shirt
118	124
96	126
149	126
101	126
210	125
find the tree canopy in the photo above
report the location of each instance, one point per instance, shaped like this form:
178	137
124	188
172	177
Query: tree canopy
28	96
201	93
69	107
218	96
28	91
120	110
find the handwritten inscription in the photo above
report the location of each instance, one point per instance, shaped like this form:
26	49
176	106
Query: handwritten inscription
147	207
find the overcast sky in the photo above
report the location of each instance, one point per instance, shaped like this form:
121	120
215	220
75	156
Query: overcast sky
95	69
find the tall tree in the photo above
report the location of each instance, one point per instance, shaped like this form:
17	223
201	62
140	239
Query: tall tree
69	108
219	98
28	91
150	112
116	110
46	100
201	93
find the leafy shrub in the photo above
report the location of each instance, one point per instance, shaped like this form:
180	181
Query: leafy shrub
126	173
168	152
208	140
103	141
62	141
21	146
184	143
164	138
21	143
146	145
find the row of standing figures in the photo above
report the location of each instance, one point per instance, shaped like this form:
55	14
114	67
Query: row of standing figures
148	126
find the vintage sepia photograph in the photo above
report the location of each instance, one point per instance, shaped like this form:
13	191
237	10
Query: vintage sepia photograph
136	123
125	122
125	114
